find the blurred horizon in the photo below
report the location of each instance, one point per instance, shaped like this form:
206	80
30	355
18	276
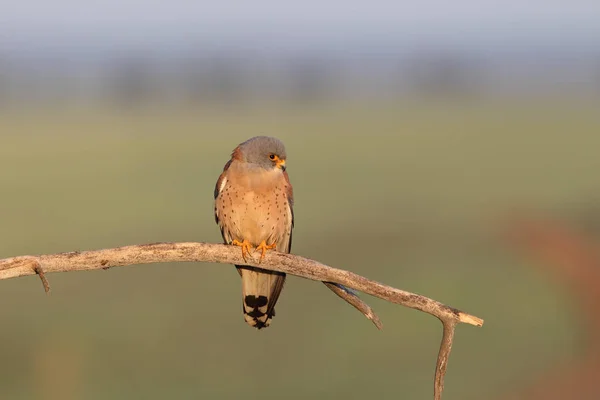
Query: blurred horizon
178	52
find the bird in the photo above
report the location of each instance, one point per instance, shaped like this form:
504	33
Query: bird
254	202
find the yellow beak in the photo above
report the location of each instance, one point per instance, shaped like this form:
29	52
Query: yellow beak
281	164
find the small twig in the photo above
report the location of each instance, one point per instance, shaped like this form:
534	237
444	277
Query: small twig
40	272
356	302
336	279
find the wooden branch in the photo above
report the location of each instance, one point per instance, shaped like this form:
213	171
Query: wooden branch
335	279
355	301
442	362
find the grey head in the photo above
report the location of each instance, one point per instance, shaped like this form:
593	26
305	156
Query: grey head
263	151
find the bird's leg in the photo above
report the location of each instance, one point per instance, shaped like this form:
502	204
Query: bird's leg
263	247
245	245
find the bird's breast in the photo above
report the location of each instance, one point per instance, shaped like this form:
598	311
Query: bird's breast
254	213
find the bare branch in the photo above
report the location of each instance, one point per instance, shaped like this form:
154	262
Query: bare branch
335	279
442	361
355	301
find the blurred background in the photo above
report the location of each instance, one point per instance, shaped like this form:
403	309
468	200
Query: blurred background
445	148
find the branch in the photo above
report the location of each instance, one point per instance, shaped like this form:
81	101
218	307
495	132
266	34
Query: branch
355	301
336	279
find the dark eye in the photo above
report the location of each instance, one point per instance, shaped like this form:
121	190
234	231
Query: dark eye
272	156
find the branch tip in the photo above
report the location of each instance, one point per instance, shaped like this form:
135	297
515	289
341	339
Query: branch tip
470	319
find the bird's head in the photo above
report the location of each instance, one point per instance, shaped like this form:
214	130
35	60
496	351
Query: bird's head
262	151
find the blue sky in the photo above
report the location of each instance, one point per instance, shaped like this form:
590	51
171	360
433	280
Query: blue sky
27	22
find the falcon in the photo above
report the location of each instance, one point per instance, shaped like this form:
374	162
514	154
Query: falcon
254	210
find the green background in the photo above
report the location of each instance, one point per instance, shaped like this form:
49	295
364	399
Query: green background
412	194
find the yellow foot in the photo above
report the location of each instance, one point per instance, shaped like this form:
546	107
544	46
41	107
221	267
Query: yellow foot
246	247
263	247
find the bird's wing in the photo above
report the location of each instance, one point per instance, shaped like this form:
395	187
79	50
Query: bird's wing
219	187
284	246
289	191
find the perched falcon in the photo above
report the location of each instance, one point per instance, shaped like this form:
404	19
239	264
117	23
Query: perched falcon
253	208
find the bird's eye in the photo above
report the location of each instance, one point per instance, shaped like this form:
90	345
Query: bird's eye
272	156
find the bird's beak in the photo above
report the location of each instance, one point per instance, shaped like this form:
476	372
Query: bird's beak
281	164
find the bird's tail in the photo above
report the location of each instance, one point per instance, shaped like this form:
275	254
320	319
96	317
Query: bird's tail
260	291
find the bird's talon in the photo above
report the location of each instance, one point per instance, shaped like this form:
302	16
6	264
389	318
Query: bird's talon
245	245
263	247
